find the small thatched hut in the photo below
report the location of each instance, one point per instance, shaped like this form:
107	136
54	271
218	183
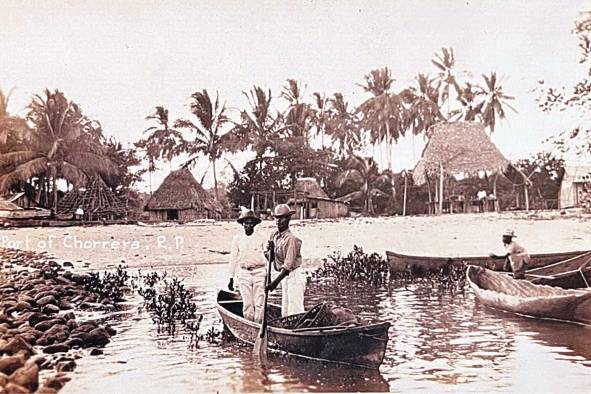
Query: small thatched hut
573	186
182	198
97	201
311	202
458	148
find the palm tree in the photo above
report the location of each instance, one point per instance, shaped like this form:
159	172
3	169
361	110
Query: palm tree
384	114
162	141
423	104
12	128
341	126
299	117
320	115
258	128
362	172
63	144
446	78
495	101
207	132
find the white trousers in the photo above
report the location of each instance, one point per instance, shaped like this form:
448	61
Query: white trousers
252	290
292	293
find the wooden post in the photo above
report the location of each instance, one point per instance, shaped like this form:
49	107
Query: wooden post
497	207
252	202
404	199
526	197
440	188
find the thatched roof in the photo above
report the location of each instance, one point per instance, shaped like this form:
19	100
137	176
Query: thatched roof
311	187
95	199
180	190
461	147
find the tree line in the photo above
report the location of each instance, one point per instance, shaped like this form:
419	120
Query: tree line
291	135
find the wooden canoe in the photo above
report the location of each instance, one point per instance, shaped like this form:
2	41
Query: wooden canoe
500	291
361	345
403	262
572	273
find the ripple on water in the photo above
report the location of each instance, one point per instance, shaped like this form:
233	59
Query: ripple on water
439	342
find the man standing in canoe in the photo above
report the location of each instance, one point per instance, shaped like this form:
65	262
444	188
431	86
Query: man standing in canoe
287	258
247	257
516	256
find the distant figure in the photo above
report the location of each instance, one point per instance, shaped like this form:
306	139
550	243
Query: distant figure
288	260
79	214
516	257
481	195
247	257
462	202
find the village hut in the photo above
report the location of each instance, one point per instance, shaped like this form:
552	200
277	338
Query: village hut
575	188
182	198
95	201
458	148
307	198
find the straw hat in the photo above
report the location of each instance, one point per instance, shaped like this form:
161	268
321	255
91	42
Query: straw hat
509	233
248	215
282	210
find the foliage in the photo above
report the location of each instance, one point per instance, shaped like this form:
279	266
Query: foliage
369	183
110	285
62	144
575	99
357	266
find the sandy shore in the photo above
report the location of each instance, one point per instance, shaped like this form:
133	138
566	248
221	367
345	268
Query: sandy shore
448	235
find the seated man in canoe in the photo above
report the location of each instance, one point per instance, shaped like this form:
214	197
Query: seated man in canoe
287	257
247	257
517	258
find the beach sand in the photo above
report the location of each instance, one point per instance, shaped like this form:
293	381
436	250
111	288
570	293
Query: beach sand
101	247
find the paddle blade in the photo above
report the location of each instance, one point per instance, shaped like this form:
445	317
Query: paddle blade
260	350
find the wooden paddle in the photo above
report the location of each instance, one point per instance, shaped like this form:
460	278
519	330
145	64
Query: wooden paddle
260	344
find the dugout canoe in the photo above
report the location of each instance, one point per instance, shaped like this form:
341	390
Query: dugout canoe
404	262
501	291
571	273
360	345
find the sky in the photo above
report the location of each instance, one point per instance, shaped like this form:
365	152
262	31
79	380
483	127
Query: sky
119	59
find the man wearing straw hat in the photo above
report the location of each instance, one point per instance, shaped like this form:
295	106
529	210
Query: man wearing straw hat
516	256
247	257
287	258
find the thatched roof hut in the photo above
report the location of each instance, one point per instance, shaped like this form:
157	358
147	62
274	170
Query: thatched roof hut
96	200
181	197
310	187
460	147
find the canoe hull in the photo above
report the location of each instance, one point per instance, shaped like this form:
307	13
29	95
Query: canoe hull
523	297
361	346
572	273
402	262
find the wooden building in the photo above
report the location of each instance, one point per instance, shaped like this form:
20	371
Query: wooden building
307	199
96	200
575	186
182	198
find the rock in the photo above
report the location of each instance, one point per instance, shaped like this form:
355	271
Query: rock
22	306
95	352
47	324
56	348
15	345
12	388
86	327
46	390
66	366
27	376
55	334
3	380
110	330
50	309
83	337
50	299
69	316
64	305
74	342
56	382
72	324
36	318
99	337
11	363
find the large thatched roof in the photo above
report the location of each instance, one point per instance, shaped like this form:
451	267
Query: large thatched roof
95	199
311	187
180	190
461	147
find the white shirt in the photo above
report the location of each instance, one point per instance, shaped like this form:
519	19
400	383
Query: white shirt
247	251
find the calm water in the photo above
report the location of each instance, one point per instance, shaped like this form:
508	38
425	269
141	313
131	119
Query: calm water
438	342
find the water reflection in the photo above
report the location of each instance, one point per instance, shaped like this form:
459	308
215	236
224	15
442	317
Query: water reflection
439	341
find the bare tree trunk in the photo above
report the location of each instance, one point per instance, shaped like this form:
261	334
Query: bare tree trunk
404	198
215	180
497	207
526	197
54	181
440	188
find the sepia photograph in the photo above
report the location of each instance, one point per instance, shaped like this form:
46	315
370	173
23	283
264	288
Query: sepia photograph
275	196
